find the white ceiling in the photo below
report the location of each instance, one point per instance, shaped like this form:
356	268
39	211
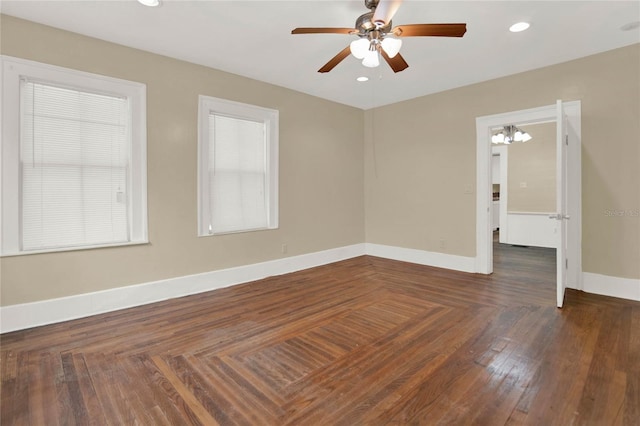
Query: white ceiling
253	39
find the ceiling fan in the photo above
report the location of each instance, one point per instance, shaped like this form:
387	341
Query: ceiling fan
375	36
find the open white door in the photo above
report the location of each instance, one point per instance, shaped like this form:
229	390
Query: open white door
562	214
567	115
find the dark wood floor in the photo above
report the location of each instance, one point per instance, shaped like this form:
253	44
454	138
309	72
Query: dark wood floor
364	341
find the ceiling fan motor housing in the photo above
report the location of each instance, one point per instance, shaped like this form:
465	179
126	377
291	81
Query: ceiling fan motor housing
364	25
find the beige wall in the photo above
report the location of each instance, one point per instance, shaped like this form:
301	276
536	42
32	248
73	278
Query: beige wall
321	172
531	171
416	171
415	161
420	155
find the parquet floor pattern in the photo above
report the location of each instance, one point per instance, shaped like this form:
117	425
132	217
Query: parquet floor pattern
366	341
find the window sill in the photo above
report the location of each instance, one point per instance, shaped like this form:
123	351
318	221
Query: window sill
63	249
239	231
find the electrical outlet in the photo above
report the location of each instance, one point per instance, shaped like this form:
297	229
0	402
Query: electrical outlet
468	189
284	249
443	244
523	184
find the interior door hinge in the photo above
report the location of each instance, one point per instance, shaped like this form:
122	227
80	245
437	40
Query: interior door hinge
566	263
566	140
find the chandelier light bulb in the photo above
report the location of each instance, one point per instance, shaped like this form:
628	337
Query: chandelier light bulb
359	47
391	46
510	134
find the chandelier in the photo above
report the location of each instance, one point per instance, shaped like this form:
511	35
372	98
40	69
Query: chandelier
510	134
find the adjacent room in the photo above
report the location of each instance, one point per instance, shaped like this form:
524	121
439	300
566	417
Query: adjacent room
315	213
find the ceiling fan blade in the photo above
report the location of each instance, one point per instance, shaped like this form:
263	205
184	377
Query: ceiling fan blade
336	60
323	31
433	30
397	63
384	11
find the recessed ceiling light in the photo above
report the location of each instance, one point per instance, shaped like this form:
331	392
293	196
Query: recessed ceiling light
520	26
150	3
362	78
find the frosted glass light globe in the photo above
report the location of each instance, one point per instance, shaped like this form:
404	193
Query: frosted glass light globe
371	59
391	46
359	48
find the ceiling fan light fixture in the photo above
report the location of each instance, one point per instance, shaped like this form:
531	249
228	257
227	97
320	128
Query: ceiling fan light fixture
391	46
375	27
371	59
526	137
359	47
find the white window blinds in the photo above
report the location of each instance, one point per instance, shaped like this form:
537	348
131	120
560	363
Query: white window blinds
237	174
75	151
237	167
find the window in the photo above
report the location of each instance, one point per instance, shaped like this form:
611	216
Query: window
73	163
238	167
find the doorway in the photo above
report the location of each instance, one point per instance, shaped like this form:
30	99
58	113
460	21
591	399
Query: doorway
523	176
567	116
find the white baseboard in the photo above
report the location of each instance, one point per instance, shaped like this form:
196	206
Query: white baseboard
625	288
429	258
34	314
27	315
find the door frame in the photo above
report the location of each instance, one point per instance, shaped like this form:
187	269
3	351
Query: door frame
484	234
502	153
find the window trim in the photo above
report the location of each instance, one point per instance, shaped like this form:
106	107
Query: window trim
12	69
270	117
